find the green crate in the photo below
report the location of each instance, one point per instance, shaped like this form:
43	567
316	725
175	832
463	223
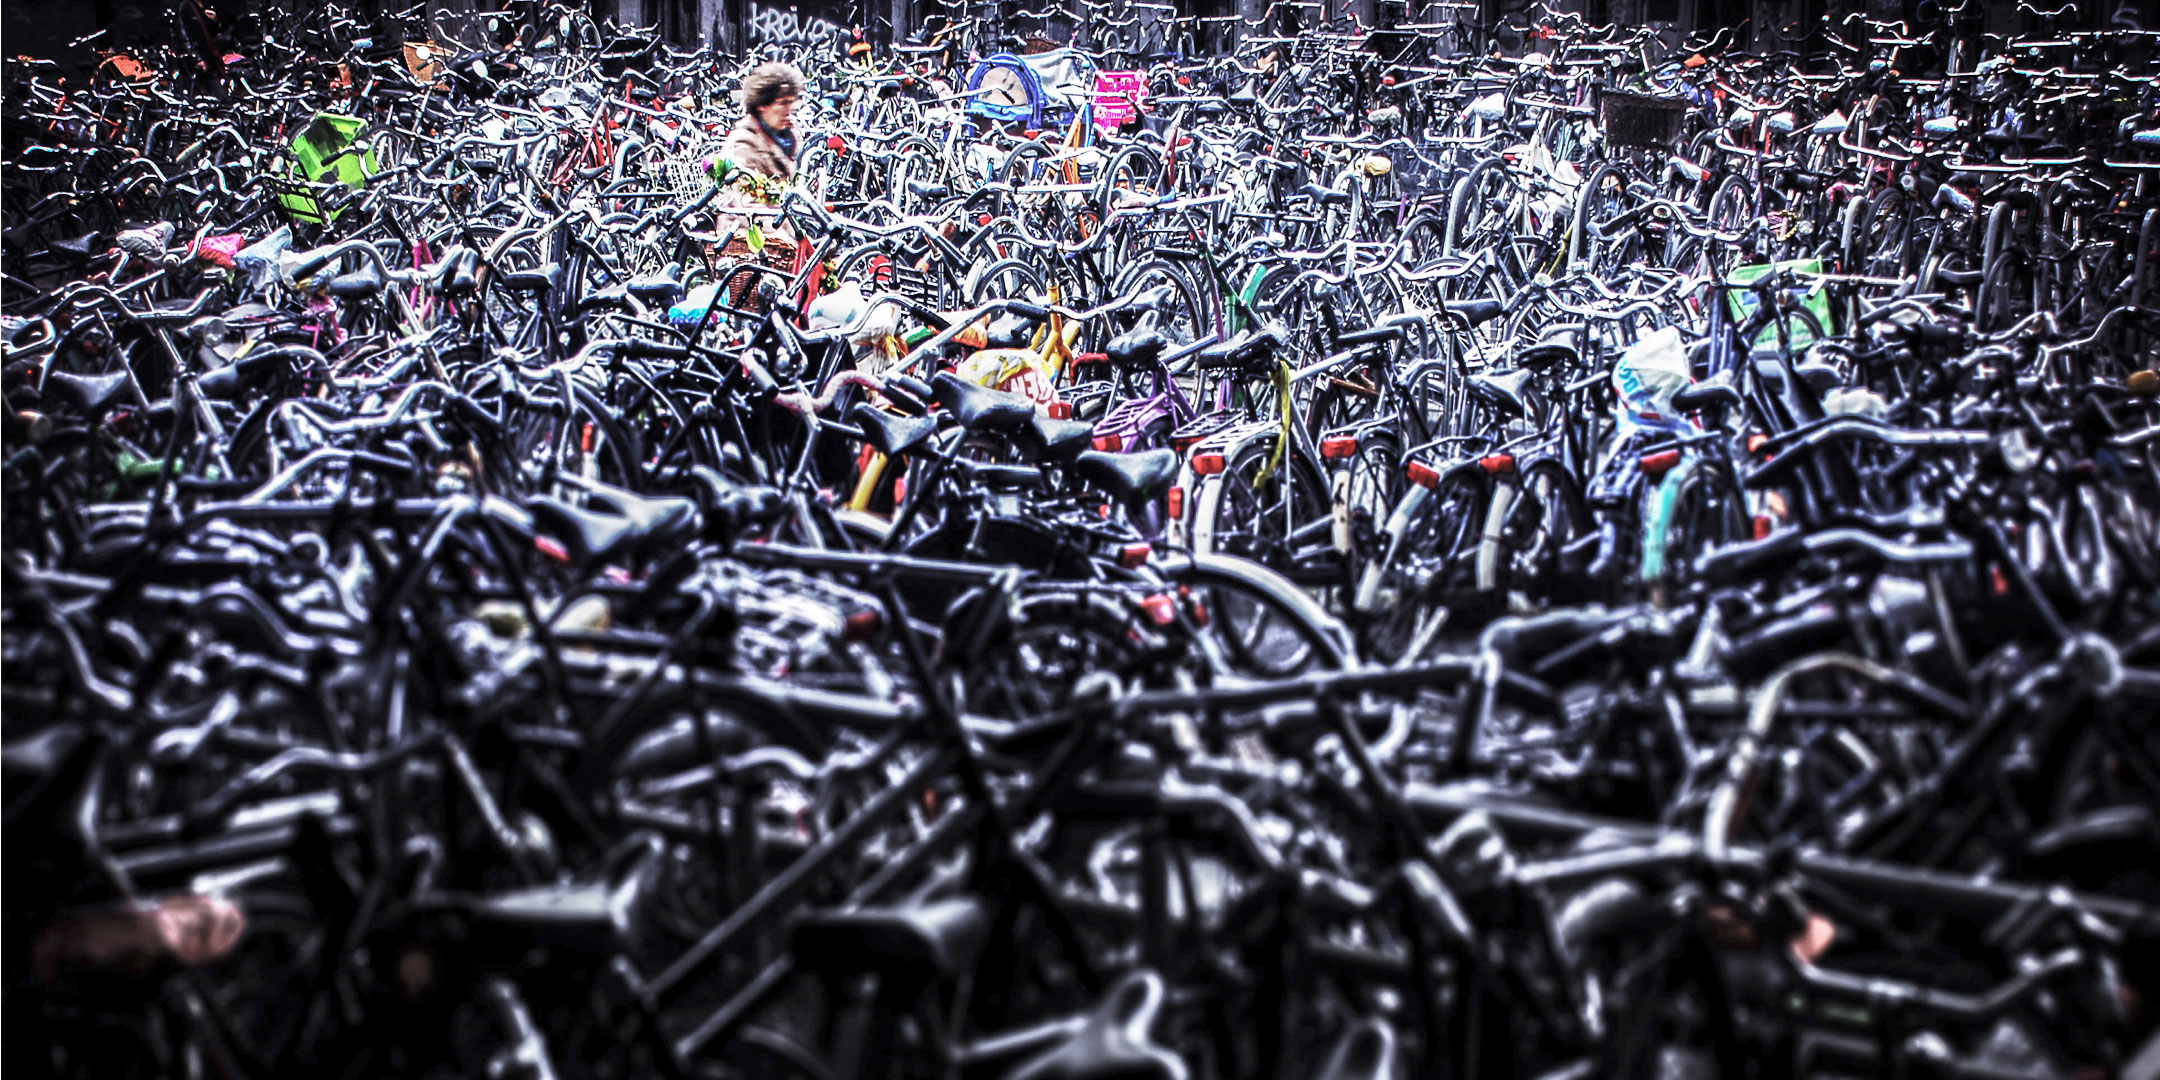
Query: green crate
316	144
1742	304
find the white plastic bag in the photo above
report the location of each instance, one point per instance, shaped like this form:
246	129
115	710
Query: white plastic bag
1649	373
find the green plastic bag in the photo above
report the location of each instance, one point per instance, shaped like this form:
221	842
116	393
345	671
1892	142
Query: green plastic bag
1815	300
313	150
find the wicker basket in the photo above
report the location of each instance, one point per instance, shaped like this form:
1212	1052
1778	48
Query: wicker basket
1641	120
777	255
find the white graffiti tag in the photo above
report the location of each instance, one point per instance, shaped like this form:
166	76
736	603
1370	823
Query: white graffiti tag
789	28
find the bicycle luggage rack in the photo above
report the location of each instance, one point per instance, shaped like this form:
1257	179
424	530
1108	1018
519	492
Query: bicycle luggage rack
1425	172
1641	120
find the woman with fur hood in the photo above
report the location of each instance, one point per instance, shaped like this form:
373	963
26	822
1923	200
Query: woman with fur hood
756	163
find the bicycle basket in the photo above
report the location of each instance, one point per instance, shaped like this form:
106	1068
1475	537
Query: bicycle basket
682	169
1424	172
1641	120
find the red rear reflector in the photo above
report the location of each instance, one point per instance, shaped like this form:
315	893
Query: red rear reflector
1182	445
1387	80
864	625
552	548
1338	446
1059	410
1208	464
1109	444
1161	610
1174	503
1029	133
1497	464
1422	475
835	142
1762	526
1755	441
1656	464
982	219
1133	555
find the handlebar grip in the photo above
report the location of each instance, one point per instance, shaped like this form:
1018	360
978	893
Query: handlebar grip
1746	561
311	262
1933	333
1027	310
383	465
655	350
758	376
1372	336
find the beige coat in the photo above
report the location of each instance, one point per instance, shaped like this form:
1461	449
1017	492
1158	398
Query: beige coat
748	148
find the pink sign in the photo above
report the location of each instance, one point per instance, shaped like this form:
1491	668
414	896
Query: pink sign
1118	95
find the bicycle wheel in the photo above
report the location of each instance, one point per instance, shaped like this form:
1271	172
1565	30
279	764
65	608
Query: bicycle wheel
1402	600
1055	640
1187	315
1604	198
1694	508
1258	624
1004	280
1260	510
1527	531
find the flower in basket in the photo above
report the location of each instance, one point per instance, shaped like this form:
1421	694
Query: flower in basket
764	189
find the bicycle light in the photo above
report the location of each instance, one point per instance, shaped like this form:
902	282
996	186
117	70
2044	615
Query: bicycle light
1337	447
1109	444
1208	464
1657	464
1421	474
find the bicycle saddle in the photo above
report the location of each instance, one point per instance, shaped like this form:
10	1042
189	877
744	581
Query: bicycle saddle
366	281
1324	196
1546	353
1503	392
1114	1041
595	917
928	190
680	745
1155	299
1244	95
1715	393
462	276
1132	479
1140	345
891	433
909	394
660	290
87	395
637	520
1821	378
1365	1052
538	279
1059	441
79	248
980	408
1475	312
1254	347
915	944
40	754
1010	331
